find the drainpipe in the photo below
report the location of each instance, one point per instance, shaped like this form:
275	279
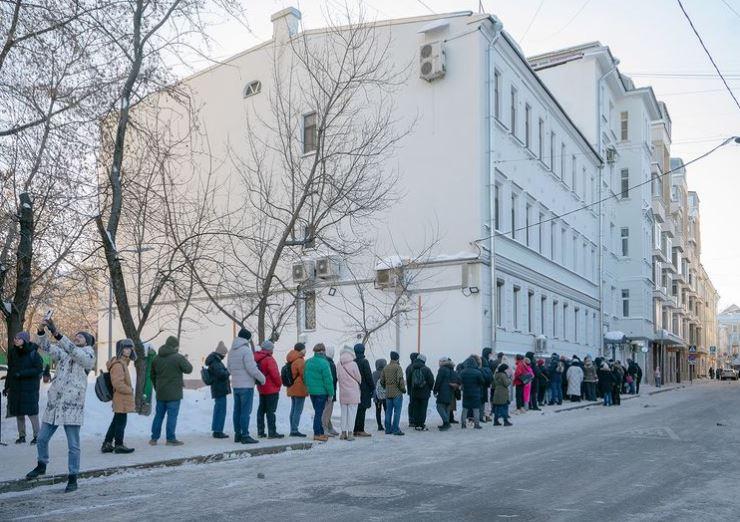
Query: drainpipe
497	28
600	142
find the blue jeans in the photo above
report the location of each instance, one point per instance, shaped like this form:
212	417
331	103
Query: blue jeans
318	401
73	445
632	388
556	392
393	410
219	415
608	399
243	398
296	408
500	411
172	409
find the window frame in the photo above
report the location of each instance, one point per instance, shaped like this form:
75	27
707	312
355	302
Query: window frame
305	128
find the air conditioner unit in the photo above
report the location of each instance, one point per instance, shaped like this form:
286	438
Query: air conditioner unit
611	155
471	275
327	267
540	344
432	61
303	271
388	278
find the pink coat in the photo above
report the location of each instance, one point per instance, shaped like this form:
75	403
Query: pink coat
349	378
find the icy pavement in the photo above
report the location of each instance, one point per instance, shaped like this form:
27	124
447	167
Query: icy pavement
663	457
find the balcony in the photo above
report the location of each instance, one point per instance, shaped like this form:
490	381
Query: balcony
661	293
659	255
671	301
659	209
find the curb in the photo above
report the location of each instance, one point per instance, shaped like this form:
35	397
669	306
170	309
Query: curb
24	484
624	398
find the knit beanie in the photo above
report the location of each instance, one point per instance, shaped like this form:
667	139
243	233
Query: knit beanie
395	356
421	357
413	356
23	336
245	334
221	348
267	346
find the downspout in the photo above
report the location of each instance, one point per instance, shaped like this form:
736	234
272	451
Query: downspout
490	322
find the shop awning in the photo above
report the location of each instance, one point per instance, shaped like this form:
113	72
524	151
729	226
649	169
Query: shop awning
615	337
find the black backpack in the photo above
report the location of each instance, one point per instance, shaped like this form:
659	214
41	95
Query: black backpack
286	375
206	377
104	387
417	379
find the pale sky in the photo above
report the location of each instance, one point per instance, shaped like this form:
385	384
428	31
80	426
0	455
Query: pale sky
655	46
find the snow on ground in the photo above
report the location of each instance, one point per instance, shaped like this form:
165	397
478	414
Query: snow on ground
193	427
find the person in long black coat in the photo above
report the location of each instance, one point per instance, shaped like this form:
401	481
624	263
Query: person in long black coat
412	357
606	383
220	388
445	384
22	384
487	371
367	387
471	378
420	387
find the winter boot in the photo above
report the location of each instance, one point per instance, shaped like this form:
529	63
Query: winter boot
478	426
107	447
497	423
444	427
246	439
297	434
220	435
350	436
261	435
321	438
237	439
39	470
71	484
122	449
174	442
21	440
343	436
507	423
362	434
33	441
275	436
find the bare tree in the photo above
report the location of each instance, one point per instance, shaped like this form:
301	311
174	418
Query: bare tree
316	170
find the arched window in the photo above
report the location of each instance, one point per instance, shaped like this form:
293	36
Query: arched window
252	88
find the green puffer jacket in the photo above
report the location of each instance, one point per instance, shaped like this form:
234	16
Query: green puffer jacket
317	376
167	371
501	382
392	380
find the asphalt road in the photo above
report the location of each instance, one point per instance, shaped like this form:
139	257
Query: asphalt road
672	456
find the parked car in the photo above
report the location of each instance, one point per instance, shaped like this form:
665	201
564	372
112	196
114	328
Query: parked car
3	371
729	374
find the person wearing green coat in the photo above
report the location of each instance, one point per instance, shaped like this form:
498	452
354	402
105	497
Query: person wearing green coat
167	370
320	384
146	396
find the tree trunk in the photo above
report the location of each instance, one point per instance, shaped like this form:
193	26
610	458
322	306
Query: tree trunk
24	276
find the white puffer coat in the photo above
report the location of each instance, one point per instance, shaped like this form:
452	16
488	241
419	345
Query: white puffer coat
575	378
65	403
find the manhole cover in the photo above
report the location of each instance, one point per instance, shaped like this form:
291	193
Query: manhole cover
372	491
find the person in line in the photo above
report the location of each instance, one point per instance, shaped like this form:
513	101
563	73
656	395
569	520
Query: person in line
632	373
618	372
638	378
244	375
471	378
590	378
220	389
379	401
22	384
606	383
528	385
412	358
444	390
486	368
367	389
320	385
123	397
392	381
520	376
534	389
420	387
296	359
574	376
329	408
711	373
65	402
544	382
501	383
556	370
350	380
168	369
269	391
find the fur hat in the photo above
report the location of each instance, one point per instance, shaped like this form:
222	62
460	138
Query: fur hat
221	348
126	343
89	338
245	334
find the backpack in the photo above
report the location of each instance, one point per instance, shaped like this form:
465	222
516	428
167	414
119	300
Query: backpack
206	377
286	375
104	387
380	393
417	379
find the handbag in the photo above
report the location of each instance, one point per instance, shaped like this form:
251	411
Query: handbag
380	393
526	378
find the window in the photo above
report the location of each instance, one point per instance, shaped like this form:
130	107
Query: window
513	111
575	253
309	310
625	303
562	161
527	212
625	233
513	215
541	138
573	183
310	133
553	236
577	324
527	126
624	125
252	88
565	321
563	247
541	232
497	207
552	151
584	184
499	301
515	307
592	188
530	311
555	319
497	94
543	304
625	183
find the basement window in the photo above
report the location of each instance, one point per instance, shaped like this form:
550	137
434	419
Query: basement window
252	88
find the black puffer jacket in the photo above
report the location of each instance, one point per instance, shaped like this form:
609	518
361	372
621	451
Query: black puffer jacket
220	387
446	376
424	391
472	380
25	367
487	372
367	386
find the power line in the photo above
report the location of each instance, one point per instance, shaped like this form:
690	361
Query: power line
711	59
425	5
731	8
614	196
572	19
542	2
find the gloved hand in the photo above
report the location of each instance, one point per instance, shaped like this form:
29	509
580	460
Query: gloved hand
51	326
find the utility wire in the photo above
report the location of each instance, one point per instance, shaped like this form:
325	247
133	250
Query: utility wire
731	8
614	196
425	5
572	19
711	59
534	17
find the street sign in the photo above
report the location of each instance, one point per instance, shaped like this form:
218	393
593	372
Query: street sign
712	349
692	349
692	358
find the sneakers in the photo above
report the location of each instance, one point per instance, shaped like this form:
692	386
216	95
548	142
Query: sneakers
174	442
321	438
399	433
362	434
71	484
220	435
297	434
333	432
349	436
275	436
381	428
123	450
36	472
246	439
21	440
107	447
153	442
421	428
